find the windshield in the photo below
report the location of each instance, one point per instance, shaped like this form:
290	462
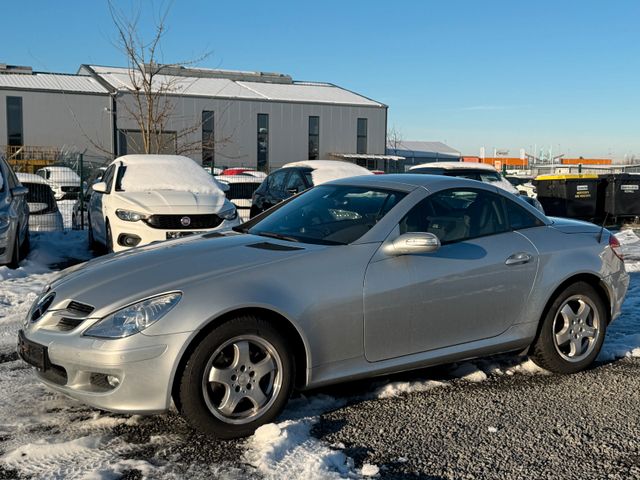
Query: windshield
329	215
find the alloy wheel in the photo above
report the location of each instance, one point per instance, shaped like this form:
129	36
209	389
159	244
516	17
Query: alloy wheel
576	328
242	379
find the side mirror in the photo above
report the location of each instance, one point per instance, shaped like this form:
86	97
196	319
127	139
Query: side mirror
19	191
100	187
414	243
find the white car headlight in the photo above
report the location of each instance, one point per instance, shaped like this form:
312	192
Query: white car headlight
134	318
228	212
129	215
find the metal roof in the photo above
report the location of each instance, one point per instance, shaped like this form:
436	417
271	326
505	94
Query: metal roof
51	81
417	147
211	86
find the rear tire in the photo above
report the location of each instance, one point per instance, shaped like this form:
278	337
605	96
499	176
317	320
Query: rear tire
25	248
15	254
239	377
572	331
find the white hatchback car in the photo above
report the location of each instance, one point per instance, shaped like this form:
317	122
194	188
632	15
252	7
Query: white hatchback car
147	198
64	182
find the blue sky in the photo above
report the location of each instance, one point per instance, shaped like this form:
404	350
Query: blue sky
503	74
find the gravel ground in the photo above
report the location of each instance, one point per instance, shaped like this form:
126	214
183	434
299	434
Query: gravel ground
578	426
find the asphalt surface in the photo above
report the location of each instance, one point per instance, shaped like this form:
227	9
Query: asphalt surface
581	426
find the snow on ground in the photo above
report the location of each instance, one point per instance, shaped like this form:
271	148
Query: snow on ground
46	435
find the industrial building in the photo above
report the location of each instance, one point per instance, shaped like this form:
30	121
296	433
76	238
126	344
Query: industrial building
218	117
417	152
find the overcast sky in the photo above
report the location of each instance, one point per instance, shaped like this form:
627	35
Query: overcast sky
504	74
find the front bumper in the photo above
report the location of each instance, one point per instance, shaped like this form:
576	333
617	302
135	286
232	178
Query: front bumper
148	234
78	367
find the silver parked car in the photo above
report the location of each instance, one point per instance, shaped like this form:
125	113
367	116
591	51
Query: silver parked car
353	278
14	217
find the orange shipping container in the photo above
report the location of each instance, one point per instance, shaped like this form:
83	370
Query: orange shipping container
586	161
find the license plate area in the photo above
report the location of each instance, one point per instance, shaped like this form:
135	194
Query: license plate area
171	235
33	353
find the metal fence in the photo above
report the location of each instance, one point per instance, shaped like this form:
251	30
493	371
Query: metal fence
58	184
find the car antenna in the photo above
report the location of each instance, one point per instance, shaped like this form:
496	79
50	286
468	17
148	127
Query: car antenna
606	215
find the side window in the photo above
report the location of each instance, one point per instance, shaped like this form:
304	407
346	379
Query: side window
108	177
457	215
519	218
276	182
295	183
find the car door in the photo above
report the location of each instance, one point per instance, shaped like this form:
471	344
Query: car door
474	287
97	207
19	206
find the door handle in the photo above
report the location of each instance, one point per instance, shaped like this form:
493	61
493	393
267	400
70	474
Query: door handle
518	258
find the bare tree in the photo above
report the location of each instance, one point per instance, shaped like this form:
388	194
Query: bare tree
394	138
153	87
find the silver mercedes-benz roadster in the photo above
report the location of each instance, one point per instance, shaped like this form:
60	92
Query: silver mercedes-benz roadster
358	277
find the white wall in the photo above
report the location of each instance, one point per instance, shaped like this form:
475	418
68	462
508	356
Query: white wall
56	119
236	128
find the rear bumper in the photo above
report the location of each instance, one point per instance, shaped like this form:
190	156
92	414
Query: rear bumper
617	285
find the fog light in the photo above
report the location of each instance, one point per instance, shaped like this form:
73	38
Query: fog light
113	380
128	240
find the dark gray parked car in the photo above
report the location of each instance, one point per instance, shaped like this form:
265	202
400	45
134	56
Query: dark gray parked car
353	278
14	217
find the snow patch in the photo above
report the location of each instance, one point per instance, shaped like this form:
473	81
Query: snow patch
287	450
369	470
395	389
469	372
327	170
147	173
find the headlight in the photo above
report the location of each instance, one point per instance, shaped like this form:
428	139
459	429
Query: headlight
4	221
130	216
134	318
229	212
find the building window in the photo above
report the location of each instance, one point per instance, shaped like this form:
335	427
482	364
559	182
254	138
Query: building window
207	140
314	138
14	121
263	142
361	146
132	141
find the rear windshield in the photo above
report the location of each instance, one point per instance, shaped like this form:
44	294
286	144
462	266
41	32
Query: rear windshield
242	190
40	198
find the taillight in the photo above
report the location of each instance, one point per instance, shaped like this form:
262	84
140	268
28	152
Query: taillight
614	243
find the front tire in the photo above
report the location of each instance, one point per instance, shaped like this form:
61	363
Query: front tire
109	238
572	331
239	377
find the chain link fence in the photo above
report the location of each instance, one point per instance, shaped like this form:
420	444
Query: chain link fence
58	184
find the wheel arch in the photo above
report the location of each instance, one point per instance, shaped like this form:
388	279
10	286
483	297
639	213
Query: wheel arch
291	333
590	278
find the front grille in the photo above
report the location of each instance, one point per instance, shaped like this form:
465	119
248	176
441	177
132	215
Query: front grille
79	308
179	222
71	189
65	324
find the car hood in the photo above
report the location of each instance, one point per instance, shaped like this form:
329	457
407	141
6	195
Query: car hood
117	280
171	201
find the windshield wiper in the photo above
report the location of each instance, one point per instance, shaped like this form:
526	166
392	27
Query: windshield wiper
240	229
278	236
